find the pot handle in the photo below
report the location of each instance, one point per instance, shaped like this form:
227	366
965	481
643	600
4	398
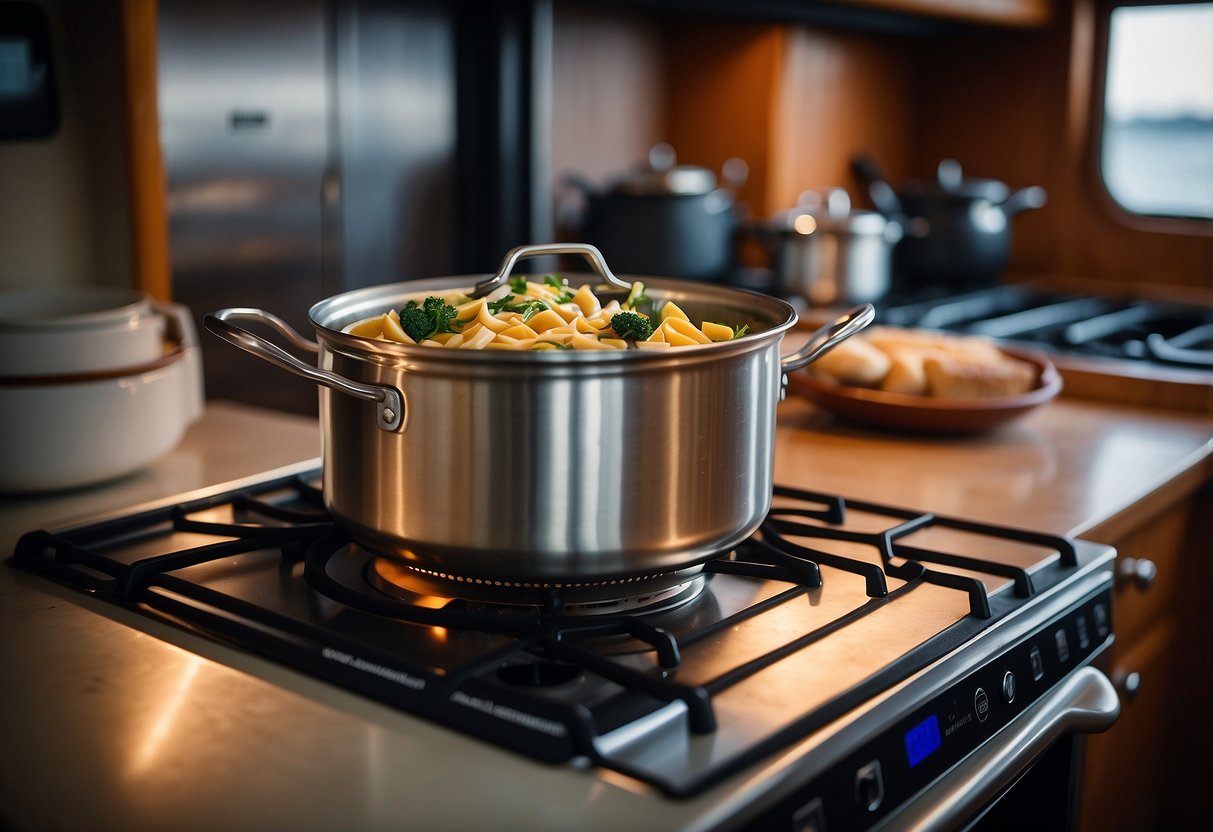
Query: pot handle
390	401
1025	198
591	253
829	336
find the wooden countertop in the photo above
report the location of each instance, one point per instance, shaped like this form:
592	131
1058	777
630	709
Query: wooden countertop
1070	467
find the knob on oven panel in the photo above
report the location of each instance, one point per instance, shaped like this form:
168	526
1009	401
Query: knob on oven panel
909	755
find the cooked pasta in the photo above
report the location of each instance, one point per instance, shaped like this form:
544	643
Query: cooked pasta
548	315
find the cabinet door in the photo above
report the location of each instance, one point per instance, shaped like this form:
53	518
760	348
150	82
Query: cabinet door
1153	769
1124	781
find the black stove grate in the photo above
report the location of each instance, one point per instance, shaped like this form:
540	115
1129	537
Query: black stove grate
345	631
1126	329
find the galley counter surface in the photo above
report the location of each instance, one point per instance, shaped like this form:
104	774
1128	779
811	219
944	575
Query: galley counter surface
109	720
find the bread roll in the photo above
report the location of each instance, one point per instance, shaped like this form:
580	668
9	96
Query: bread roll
906	374
949	376
894	340
854	361
923	362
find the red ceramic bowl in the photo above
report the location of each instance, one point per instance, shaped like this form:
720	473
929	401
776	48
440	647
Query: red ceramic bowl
927	414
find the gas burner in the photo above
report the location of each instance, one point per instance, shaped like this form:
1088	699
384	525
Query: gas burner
832	603
658	592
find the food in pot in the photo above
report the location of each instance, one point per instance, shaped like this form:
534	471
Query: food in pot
923	363
547	315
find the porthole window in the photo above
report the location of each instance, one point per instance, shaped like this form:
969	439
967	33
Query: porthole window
1157	144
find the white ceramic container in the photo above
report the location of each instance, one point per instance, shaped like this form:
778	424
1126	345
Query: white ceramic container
66	434
59	331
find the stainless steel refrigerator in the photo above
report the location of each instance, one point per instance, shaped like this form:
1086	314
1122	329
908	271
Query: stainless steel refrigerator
313	147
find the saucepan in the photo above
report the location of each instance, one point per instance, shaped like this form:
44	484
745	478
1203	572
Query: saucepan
667	219
957	227
827	253
524	467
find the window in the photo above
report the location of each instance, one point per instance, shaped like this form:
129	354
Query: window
1157	148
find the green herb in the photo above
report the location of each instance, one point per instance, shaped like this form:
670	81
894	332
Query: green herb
424	321
501	304
559	285
518	284
740	331
528	308
636	296
631	326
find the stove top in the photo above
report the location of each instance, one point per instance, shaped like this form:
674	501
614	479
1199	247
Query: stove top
676	681
1154	332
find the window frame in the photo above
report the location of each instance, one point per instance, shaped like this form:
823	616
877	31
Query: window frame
1153	223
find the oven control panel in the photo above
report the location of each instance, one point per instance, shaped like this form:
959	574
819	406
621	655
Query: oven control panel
872	782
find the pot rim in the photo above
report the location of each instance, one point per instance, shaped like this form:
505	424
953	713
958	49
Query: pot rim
329	316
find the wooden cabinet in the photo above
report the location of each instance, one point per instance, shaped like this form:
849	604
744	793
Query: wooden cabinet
1012	13
1154	768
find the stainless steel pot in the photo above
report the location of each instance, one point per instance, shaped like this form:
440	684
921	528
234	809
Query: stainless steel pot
546	466
826	253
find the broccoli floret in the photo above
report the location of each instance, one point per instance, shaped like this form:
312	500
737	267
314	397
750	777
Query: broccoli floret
415	322
630	325
433	316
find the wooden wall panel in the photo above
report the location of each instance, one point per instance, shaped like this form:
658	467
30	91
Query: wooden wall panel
839	94
722	92
795	102
608	104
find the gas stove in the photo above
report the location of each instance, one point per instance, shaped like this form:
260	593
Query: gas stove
1161	333
898	647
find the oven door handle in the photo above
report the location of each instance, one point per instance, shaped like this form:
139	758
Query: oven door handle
1085	703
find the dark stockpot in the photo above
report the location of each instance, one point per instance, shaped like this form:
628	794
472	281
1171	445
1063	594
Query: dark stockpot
670	220
957	228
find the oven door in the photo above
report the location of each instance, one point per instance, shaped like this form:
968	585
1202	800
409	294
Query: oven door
1006	776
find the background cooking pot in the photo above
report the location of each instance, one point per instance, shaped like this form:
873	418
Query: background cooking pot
958	229
667	219
828	254
578	465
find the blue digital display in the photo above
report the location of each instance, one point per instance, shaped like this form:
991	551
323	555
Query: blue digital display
922	740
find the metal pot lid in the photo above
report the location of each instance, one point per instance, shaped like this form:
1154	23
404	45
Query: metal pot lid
950	181
680	180
664	177
828	210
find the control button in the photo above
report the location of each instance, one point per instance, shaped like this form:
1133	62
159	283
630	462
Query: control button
1008	686
981	704
869	786
810	817
1084	638
1038	663
1063	646
1101	620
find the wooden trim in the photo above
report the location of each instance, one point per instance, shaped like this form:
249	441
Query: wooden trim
1014	13
145	163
